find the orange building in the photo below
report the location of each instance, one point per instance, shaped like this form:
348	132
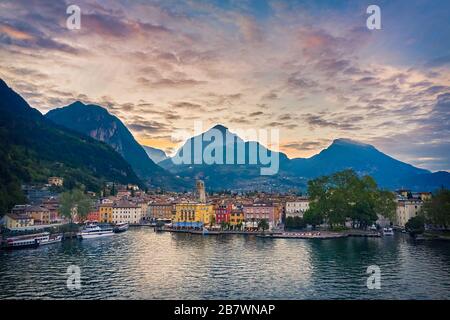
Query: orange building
93	216
106	212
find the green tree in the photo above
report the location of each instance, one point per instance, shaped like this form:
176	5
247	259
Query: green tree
313	216
295	223
415	225
75	202
385	204
299	223
343	195
113	189
437	210
263	224
289	223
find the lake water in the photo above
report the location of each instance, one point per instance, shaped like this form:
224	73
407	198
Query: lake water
142	264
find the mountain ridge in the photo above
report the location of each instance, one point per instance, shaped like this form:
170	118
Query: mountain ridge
96	122
157	155
341	154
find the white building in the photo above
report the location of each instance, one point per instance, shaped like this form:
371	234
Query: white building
127	212
406	209
297	208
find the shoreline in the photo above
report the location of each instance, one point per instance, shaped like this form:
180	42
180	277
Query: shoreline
284	234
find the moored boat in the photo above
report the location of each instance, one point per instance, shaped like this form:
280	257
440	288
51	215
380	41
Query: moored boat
388	231
91	231
121	227
31	240
50	239
21	242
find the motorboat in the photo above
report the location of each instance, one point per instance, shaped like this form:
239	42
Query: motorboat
121	227
50	239
92	230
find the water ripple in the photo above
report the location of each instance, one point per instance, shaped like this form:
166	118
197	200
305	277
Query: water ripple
142	264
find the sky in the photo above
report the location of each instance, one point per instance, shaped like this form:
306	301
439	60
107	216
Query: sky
311	69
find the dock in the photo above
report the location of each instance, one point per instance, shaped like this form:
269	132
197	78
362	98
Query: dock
218	232
363	233
306	235
277	234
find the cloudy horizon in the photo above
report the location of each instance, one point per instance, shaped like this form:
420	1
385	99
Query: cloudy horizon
311	69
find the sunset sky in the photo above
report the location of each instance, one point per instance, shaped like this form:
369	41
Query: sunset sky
310	68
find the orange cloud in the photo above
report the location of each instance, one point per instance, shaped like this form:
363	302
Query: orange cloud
15	33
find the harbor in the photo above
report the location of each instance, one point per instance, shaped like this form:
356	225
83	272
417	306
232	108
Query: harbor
34	240
305	235
93	230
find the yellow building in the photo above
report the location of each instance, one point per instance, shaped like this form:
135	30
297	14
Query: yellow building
407	209
194	212
40	215
15	221
106	213
236	217
425	196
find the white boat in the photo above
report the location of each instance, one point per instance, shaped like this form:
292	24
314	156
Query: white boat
21	242
121	227
91	231
49	239
388	231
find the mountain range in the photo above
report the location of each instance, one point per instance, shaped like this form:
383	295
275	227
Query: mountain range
240	177
157	155
98	123
342	154
87	145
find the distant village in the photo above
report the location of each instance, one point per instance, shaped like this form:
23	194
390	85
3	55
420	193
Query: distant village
191	210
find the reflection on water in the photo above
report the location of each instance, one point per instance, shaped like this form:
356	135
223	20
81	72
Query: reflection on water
142	264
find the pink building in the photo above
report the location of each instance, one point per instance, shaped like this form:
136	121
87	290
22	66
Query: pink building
260	211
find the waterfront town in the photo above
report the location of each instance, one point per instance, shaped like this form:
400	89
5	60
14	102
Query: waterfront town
183	211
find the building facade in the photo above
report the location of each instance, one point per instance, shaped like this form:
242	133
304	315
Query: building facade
52	204
237	217
106	212
17	221
297	208
223	213
39	214
93	216
406	209
126	212
160	211
193	214
201	193
261	211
